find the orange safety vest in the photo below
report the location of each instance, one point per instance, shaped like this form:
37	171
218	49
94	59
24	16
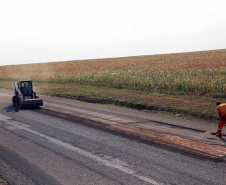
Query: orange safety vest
222	109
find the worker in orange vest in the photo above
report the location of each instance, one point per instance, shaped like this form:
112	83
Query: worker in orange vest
221	107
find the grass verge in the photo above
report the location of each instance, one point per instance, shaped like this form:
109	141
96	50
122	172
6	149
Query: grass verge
2	181
201	108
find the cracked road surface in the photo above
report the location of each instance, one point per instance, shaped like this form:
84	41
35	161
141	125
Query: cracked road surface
37	148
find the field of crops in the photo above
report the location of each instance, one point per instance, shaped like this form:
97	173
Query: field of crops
194	73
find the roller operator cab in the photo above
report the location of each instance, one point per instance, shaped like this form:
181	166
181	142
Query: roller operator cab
24	94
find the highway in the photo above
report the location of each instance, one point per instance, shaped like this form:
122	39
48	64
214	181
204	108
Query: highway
37	147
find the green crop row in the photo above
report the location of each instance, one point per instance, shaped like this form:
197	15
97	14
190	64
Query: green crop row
194	81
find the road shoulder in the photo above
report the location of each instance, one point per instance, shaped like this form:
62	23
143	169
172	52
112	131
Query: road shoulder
180	135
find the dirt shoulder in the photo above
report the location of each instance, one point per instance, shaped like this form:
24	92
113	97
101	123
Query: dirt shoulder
202	108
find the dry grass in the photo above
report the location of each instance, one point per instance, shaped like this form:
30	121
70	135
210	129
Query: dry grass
195	73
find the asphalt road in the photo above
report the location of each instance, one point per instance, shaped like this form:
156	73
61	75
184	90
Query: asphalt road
37	148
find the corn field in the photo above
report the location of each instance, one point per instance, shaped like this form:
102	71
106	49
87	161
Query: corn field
194	73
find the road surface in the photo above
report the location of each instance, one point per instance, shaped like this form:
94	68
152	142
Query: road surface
37	148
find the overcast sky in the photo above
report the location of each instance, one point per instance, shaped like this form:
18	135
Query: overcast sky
34	31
